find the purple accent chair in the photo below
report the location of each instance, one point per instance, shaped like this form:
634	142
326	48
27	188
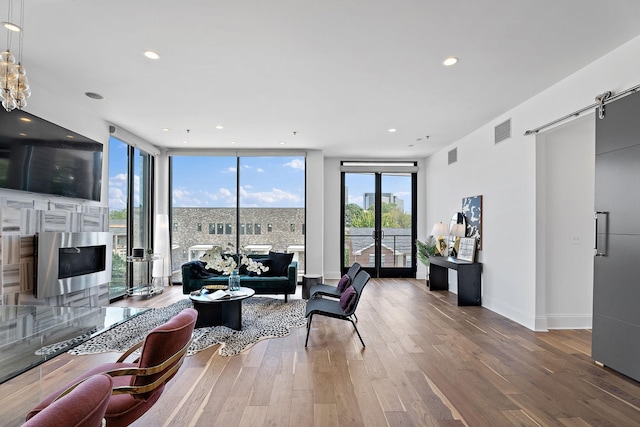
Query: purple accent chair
139	384
82	406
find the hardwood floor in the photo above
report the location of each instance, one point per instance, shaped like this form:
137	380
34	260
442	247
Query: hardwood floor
427	362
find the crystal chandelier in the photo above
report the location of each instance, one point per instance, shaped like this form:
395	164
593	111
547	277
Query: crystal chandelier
14	86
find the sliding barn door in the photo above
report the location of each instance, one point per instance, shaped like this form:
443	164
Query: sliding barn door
616	294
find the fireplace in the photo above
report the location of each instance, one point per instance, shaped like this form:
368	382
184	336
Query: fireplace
71	262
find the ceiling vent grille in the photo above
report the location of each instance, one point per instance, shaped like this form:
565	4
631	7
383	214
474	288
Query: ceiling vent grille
453	156
503	131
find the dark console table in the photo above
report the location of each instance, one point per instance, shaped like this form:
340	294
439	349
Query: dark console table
469	279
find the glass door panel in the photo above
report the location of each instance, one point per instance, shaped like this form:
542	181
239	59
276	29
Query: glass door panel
118	194
140	200
396	237
359	221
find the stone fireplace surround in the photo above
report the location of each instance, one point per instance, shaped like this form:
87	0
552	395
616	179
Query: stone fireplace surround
20	220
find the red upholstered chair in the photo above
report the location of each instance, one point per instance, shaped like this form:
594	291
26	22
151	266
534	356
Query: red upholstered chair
83	406
139	384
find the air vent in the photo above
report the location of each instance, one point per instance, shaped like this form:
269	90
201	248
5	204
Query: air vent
453	156
503	131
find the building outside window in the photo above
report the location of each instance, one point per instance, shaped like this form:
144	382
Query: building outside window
260	190
212	228
199	227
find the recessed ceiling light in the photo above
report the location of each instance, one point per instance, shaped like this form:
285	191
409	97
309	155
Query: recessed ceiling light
282	142
22	134
166	130
70	136
185	142
233	142
219	127
151	54
11	26
94	95
392	130
25	119
450	61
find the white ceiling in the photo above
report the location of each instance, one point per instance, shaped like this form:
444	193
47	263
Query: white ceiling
337	73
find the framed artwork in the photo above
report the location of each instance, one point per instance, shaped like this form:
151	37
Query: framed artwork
472	211
467	249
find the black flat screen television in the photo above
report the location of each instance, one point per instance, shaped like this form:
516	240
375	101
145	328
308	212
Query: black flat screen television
41	157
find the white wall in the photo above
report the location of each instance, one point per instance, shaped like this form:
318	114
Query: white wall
331	209
315	221
565	185
506	175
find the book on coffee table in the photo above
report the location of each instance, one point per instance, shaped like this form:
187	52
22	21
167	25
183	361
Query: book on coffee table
224	294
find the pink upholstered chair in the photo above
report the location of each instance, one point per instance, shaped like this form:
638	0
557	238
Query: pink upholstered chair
139	384
83	406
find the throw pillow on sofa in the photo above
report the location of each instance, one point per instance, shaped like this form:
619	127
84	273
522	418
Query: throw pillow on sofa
279	263
198	270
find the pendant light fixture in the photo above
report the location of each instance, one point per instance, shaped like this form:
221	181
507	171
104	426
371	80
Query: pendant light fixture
14	85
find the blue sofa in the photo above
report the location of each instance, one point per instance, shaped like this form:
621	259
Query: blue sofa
195	276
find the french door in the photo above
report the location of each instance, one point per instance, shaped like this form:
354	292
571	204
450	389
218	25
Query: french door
378	219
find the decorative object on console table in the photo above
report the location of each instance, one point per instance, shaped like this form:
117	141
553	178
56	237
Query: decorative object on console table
440	229
457	228
472	210
467	250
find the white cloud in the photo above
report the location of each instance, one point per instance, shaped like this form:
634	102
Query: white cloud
295	164
118	191
358	200
259	170
273	197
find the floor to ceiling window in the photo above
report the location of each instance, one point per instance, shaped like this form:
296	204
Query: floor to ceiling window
255	204
130	206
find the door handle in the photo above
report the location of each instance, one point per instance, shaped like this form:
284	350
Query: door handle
600	251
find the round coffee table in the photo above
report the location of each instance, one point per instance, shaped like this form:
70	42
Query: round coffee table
221	312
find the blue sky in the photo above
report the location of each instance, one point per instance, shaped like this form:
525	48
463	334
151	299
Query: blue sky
264	181
208	181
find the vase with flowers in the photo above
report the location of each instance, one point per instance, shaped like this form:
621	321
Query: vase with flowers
225	262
